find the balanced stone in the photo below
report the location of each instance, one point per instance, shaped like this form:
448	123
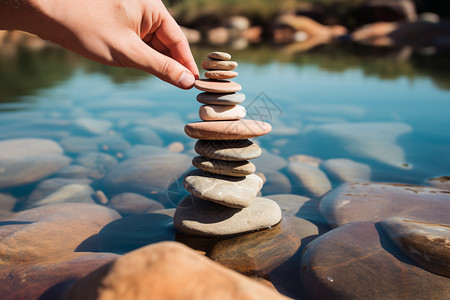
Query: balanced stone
221	98
217	86
230	168
236	192
232	150
219	55
221	112
227	130
220	74
211	64
198	217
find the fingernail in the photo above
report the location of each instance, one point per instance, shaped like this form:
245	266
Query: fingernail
186	80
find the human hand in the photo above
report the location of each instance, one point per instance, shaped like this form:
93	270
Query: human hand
139	34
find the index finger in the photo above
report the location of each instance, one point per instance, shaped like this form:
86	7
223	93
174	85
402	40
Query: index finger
171	35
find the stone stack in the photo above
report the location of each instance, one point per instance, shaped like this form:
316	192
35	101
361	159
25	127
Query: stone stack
223	189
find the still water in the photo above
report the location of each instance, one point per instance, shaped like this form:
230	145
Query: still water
372	106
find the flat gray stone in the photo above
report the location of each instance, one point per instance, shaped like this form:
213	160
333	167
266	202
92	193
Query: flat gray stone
222	167
70	193
143	135
198	217
269	162
237	192
49	186
93	126
312	180
427	244
221	99
98	163
231	150
132	204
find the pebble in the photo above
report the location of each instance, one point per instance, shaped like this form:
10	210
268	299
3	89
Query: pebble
198	217
132	204
236	192
220	98
219	55
231	150
24	161
310	160
167	270
70	193
211	64
230	168
311	180
442	182
219	74
269	162
227	130
374	202
346	170
93	126
276	182
176	147
221	112
427	244
217	86
358	261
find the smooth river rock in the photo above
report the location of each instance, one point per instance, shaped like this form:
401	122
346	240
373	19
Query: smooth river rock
24	161
131	204
358	261
310	179
227	130
222	167
378	201
219	55
442	182
212	64
70	193
346	170
221	99
167	270
217	86
50	230
204	218
221	112
236	192
219	74
427	244
231	150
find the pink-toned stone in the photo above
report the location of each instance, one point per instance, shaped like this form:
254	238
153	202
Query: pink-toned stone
220	74
211	64
219	55
221	112
227	130
217	86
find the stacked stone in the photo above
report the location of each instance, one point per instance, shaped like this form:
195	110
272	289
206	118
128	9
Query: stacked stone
223	189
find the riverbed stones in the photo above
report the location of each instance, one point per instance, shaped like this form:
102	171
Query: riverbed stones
221	112
224	188
221	98
236	192
217	86
232	150
427	244
205	218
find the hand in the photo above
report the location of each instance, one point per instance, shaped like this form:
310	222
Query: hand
139	34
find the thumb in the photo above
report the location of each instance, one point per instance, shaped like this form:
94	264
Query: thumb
141	56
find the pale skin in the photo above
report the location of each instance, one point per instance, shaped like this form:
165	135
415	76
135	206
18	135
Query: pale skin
138	34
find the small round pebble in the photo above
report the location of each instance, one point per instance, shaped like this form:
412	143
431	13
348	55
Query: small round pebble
217	86
221	112
219	55
221	98
211	64
220	74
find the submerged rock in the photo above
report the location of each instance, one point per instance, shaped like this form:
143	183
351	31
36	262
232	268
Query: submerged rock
167	270
346	170
378	201
310	179
132	204
442	182
358	261
427	244
70	193
24	161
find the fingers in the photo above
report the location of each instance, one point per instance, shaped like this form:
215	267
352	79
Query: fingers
171	35
139	55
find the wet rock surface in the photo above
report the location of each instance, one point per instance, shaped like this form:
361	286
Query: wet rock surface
365	259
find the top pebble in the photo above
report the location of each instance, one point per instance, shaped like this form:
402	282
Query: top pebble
219	55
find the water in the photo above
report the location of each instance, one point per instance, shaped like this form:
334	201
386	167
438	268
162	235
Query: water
395	110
